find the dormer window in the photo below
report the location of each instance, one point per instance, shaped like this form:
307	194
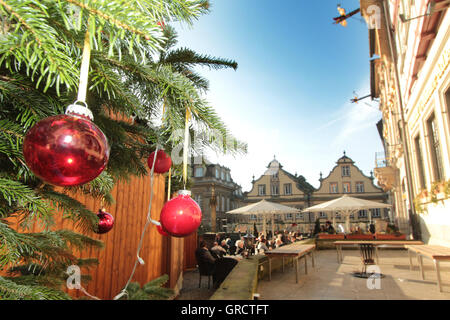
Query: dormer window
345	171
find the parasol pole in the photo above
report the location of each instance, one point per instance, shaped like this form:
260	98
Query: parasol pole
264	226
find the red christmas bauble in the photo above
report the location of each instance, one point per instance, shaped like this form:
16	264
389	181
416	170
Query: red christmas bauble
66	150
162	163
105	223
181	215
161	231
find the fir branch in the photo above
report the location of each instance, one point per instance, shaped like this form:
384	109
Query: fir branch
10	290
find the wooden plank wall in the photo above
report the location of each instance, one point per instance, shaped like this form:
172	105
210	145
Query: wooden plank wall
190	245
117	258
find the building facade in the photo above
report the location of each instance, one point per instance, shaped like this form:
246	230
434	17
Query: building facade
278	185
410	76
216	193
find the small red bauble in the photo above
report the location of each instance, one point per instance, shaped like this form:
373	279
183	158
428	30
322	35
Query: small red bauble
162	163
105	223
161	231
66	150
181	215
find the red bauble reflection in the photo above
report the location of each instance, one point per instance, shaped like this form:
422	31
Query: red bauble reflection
181	215
106	221
162	163
66	150
161	231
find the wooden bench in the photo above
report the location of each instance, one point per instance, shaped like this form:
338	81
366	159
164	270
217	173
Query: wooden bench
433	252
375	243
294	251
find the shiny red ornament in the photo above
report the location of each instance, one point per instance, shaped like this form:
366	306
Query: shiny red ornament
161	231
162	163
181	215
66	150
105	223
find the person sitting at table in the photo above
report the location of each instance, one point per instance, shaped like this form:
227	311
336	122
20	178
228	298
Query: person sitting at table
205	257
218	251
329	228
278	241
225	246
262	246
240	250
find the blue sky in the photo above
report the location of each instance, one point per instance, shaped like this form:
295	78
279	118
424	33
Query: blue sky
290	95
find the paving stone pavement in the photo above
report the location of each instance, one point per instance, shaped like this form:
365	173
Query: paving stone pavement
333	281
190	289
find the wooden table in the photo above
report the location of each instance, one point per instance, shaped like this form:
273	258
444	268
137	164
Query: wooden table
294	251
433	252
375	243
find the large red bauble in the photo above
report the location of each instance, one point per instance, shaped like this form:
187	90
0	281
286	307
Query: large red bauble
181	215
161	231
66	150
106	221
162	163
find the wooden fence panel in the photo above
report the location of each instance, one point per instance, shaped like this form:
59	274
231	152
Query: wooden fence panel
117	258
190	245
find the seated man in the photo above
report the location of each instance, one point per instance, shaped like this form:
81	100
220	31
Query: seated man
218	251
224	245
240	248
262	247
205	260
329	228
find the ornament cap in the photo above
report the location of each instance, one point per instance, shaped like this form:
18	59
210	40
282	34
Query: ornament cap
184	193
79	110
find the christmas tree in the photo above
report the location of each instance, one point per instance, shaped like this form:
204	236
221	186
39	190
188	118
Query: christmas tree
130	77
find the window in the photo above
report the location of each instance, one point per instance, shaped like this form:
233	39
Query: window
262	190
419	159
198	172
359	187
253	217
322	215
223	203
222	175
287	188
435	149
334	187
299	215
362	213
217	173
275	190
338	215
376	213
346	171
228	176
228	204
346	187
288	216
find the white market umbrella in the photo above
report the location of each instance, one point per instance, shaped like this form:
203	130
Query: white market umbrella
346	206
264	208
